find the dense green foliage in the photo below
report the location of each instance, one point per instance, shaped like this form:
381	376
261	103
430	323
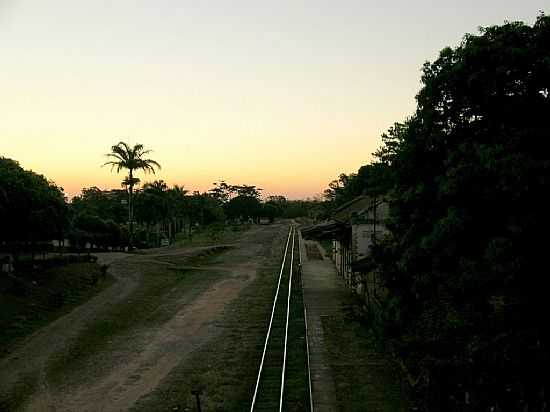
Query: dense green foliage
243	207
106	205
32	208
371	179
468	176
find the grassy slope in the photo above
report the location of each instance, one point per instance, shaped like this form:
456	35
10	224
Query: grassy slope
28	303
215	233
366	378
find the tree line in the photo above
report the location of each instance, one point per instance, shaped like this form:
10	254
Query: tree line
34	210
467	177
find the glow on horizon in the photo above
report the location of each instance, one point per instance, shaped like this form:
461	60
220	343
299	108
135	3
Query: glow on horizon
284	95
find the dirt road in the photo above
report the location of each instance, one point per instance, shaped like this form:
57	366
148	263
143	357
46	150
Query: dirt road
161	327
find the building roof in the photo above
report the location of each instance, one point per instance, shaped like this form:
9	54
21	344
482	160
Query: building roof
342	218
357	206
324	230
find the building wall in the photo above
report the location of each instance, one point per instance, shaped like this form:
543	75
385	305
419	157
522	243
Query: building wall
336	254
367	227
342	257
359	246
362	239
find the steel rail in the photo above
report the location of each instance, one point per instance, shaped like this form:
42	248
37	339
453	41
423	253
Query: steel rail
286	325
290	231
305	322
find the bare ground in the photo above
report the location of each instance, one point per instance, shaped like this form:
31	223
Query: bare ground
133	365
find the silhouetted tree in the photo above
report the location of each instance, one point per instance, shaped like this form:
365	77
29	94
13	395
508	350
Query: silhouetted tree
470	177
178	207
243	208
109	205
132	159
247	191
32	208
222	191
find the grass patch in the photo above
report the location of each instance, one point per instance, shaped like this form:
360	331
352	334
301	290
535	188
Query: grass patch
30	302
19	393
366	378
215	233
296	396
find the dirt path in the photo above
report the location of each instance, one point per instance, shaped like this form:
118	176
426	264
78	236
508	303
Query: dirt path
154	352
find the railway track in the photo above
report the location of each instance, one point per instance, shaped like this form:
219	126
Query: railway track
283	381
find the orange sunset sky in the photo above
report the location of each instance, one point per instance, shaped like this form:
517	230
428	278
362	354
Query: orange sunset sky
284	95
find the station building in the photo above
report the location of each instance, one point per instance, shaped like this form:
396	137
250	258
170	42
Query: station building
352	230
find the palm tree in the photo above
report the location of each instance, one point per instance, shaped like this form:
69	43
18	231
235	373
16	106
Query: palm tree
123	156
169	204
178	201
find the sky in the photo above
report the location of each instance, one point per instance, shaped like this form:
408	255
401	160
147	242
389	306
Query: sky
285	95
